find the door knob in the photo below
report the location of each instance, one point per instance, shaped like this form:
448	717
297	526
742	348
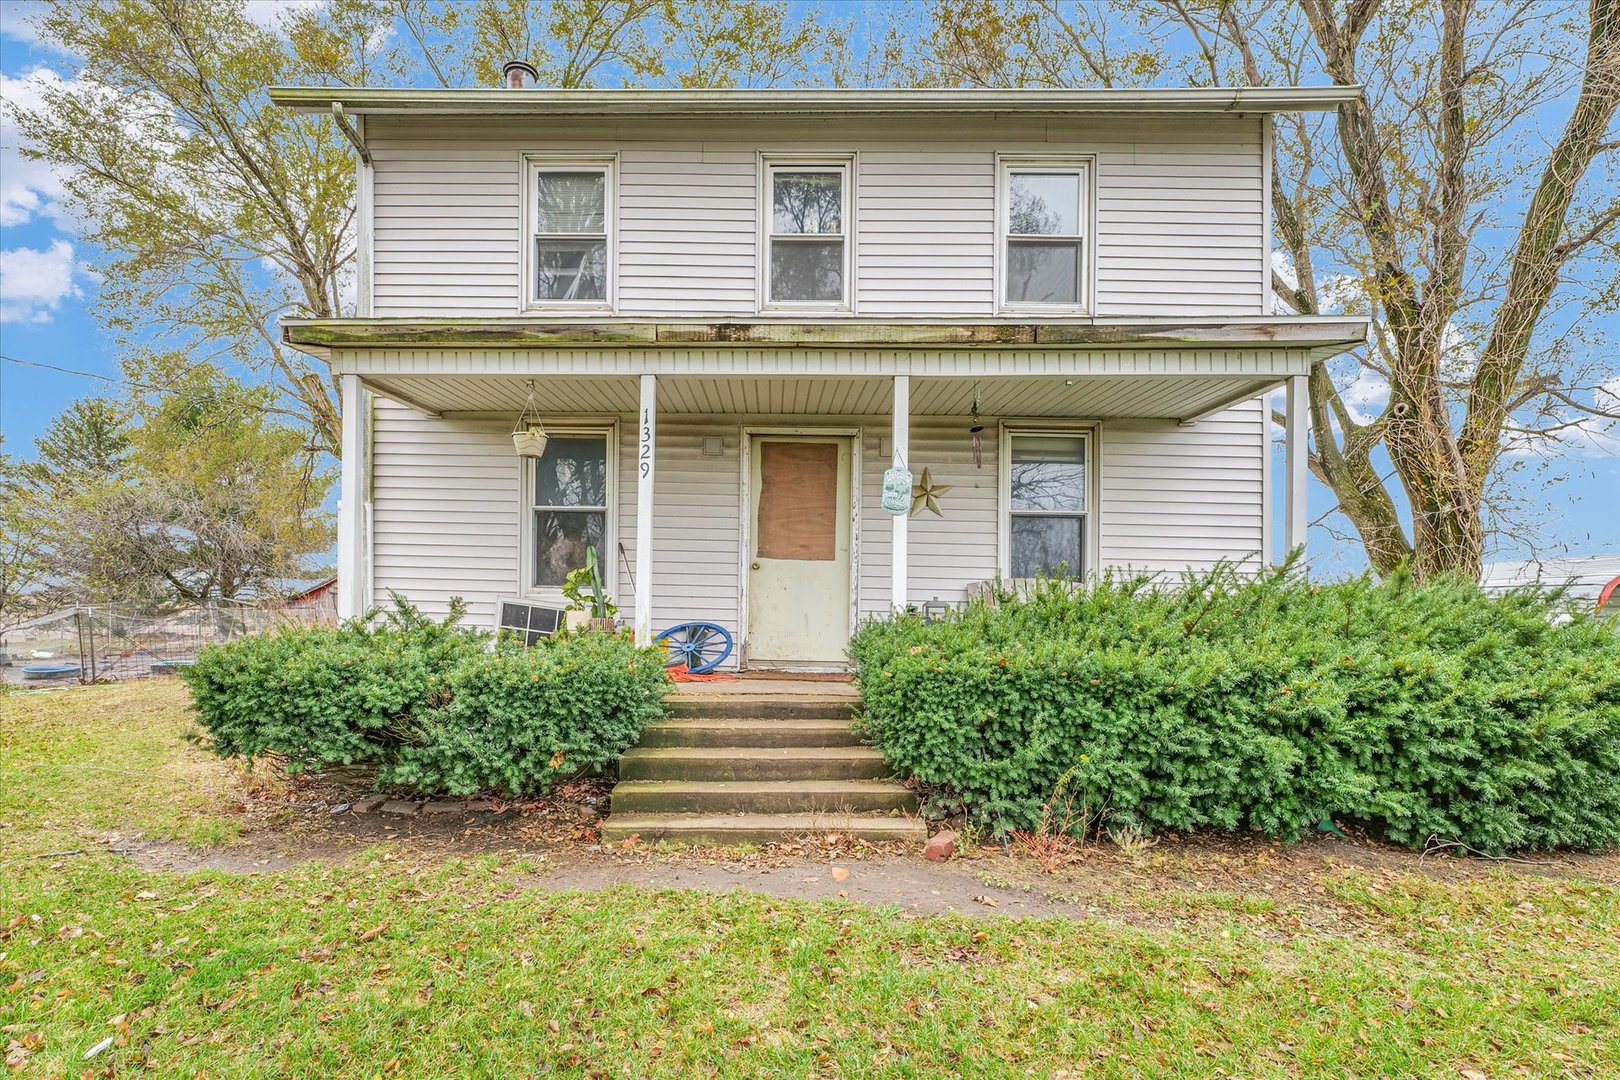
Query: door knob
756	565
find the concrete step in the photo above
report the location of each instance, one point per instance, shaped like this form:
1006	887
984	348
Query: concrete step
794	732
754	797
755	828
755	707
753	763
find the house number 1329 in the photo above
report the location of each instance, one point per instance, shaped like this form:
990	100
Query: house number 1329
645	457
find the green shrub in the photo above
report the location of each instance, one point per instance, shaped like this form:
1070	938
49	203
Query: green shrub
520	719
1425	712
434	706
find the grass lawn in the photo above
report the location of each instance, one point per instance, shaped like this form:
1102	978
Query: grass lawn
389	963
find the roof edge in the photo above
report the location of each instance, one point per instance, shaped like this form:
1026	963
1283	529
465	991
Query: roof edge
688	104
1238	331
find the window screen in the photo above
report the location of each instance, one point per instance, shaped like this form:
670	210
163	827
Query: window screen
1047	505
807	235
1045	236
570	235
570	505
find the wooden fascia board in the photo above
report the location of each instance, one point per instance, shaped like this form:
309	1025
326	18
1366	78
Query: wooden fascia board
1261	333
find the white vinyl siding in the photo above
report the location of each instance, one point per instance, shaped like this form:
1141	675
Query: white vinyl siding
1176	498
446	511
1179	213
448	500
687	230
927	231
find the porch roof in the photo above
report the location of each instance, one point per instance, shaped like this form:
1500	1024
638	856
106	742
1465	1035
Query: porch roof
1323	335
1181	369
1090	397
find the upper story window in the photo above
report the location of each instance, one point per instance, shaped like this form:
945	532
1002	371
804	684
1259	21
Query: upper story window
807	234
571	241
1046	215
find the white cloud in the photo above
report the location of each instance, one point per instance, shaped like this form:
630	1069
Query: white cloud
267	13
17	19
33	284
27	188
1365	395
1586	436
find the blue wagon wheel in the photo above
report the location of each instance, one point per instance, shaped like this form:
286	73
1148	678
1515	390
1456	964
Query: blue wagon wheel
701	646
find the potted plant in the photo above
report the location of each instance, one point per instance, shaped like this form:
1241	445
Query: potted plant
588	605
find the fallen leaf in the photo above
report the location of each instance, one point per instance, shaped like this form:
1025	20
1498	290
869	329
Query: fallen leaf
839	873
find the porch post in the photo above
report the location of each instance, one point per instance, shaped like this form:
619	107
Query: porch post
351	545
1294	443
646	428
902	457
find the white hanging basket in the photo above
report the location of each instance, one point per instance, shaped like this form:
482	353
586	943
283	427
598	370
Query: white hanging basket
529	434
530	441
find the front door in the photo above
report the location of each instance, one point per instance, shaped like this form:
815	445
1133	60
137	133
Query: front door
798	577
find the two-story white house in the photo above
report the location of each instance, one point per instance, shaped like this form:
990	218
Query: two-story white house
733	311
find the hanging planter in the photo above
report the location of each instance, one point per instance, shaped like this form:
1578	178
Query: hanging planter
529	436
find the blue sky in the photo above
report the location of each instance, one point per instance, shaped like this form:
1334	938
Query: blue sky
47	286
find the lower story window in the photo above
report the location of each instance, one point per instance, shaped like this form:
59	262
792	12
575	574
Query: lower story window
570	505
1047	504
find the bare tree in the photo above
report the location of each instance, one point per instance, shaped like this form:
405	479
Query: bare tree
1432	205
1407	194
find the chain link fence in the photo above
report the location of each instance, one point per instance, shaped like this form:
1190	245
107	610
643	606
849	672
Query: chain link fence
105	643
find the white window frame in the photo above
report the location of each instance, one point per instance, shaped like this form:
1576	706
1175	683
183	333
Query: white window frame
770	165
1085	165
528	587
533	166
1089	531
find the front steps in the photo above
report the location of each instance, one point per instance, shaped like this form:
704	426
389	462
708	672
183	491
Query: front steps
748	768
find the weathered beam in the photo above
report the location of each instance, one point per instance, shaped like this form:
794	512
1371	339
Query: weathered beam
1259	332
520	334
847	333
351	333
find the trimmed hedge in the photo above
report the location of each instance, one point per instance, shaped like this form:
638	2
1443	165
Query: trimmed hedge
434	706
1426	712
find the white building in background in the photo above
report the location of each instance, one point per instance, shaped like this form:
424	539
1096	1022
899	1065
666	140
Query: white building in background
1589	581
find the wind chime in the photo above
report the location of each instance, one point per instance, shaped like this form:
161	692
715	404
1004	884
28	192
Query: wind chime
976	432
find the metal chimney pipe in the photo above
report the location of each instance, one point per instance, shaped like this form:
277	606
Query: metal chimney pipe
518	75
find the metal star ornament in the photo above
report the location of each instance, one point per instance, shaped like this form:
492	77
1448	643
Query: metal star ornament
927	494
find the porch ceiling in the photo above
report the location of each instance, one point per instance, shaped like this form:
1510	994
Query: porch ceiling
1179	397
